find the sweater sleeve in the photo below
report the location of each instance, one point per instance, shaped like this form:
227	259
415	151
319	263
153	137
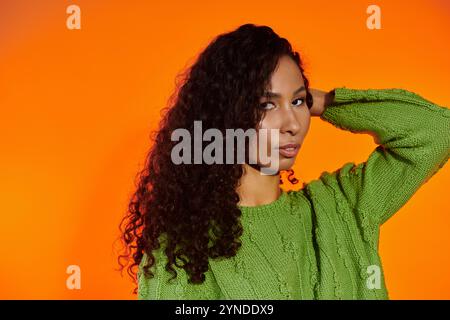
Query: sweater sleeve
160	287
413	138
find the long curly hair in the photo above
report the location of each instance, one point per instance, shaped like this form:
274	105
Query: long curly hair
195	205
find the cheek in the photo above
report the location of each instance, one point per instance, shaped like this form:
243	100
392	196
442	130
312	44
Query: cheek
269	122
261	145
306	122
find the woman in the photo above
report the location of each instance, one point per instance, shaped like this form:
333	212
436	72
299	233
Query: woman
226	231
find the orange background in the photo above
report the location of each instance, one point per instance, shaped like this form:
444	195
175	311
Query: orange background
77	107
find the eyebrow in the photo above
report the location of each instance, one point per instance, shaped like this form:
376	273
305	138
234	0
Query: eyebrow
277	95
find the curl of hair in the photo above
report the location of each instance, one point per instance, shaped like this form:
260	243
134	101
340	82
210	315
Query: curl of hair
290	177
195	205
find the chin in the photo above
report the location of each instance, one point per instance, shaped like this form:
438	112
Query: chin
286	163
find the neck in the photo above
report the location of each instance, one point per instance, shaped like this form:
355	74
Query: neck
257	189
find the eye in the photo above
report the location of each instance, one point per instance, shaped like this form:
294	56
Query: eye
302	101
266	104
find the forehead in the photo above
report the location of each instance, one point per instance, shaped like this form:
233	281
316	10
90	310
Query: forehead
286	78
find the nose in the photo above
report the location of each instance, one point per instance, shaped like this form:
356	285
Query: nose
289	121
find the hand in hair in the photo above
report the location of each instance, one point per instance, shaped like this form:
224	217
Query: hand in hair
321	100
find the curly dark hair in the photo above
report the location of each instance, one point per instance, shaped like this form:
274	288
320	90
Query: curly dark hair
195	205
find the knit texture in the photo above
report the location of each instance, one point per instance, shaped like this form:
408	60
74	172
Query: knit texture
321	242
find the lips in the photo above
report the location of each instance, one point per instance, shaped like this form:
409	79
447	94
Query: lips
289	150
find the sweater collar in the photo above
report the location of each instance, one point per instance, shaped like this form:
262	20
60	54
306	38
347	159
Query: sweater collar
278	204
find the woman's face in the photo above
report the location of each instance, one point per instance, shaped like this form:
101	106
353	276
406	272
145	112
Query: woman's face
286	110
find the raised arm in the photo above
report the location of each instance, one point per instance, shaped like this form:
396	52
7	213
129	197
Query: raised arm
413	137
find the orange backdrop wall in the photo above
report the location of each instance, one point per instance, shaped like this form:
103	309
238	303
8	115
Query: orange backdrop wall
77	108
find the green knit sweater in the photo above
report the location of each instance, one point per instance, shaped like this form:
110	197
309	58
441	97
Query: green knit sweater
321	242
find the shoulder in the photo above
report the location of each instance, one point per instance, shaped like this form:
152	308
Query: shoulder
327	196
323	188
